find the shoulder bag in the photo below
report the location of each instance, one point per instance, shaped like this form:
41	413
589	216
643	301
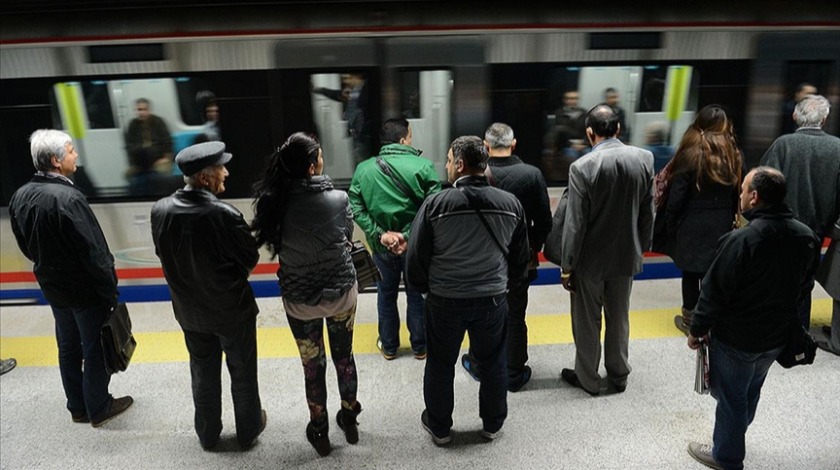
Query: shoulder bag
485	223
118	342
367	274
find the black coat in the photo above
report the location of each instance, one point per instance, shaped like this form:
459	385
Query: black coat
696	219
526	182
56	229
207	253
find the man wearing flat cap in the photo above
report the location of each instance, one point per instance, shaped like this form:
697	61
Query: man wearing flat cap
207	252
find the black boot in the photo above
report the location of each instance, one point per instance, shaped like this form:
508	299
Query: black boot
346	419
319	436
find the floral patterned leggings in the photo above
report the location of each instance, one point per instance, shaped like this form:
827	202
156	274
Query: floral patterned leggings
309	335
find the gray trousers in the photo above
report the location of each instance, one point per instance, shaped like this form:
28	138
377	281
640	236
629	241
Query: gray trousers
613	295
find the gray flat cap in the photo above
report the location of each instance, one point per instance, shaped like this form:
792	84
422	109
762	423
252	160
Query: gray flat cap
197	157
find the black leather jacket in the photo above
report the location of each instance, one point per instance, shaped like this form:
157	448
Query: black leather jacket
207	252
315	263
55	228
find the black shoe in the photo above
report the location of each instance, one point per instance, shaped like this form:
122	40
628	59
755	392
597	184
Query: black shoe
319	438
263	421
570	377
516	385
470	367
7	364
346	420
620	388
438	440
827	331
118	405
80	417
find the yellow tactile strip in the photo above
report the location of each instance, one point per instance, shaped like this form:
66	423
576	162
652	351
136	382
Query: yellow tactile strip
277	342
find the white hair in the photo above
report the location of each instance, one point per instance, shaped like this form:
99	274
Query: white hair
499	136
811	111
48	143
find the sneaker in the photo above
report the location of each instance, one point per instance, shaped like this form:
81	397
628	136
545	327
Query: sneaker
80	417
7	364
118	405
516	385
679	321
346	420
570	377
703	454
319	438
470	367
420	355
388	355
439	441
490	435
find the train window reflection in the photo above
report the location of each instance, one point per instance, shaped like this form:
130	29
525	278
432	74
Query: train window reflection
127	131
656	104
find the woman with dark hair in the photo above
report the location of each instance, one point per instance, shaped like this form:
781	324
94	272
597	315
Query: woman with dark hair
703	185
308	224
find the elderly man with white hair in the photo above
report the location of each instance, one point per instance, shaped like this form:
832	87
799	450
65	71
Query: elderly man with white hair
56	229
810	160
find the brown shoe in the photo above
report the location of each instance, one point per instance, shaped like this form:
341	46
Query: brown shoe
118	405
683	322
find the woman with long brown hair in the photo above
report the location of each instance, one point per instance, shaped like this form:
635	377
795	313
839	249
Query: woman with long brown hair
703	183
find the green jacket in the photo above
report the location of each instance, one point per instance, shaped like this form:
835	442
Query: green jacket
378	203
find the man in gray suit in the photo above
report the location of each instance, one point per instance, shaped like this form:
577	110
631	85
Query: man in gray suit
609	224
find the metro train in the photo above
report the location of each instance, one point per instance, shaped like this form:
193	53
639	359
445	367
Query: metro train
449	71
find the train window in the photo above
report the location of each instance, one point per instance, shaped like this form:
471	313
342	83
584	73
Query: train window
802	78
98	104
426	101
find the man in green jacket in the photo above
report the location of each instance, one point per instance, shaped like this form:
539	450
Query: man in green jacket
385	194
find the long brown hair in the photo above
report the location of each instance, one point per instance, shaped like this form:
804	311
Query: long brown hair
709	149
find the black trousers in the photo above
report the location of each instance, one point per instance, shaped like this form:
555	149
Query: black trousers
240	348
517	333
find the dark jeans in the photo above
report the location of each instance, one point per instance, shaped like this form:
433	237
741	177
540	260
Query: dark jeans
240	348
447	320
691	289
517	335
309	336
392	268
736	380
81	361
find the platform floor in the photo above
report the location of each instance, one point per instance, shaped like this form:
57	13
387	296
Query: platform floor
550	425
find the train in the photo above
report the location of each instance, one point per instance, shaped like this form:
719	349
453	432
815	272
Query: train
274	68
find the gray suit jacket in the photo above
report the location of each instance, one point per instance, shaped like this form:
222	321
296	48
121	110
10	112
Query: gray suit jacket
609	217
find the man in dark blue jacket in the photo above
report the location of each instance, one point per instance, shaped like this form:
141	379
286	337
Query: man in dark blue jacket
747	306
56	229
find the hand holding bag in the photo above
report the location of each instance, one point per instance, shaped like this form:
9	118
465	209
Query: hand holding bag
118	342
367	274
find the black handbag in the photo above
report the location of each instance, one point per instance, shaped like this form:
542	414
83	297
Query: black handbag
800	349
367	274
118	342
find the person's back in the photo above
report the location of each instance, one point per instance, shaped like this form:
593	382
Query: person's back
613	202
810	160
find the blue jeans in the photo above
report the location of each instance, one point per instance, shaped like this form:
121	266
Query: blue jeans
392	268
240	348
81	361
736	381
447	320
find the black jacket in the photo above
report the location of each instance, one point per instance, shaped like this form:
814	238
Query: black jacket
56	229
527	183
207	253
452	254
751	292
315	263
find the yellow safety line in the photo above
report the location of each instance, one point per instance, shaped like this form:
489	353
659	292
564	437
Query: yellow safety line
277	342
